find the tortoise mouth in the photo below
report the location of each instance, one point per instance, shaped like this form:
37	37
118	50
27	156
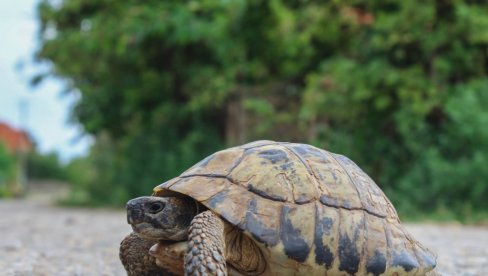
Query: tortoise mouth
147	231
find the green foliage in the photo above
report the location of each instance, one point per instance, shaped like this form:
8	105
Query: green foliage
104	178
45	166
396	85
405	100
7	171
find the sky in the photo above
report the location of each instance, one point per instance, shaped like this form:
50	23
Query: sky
43	111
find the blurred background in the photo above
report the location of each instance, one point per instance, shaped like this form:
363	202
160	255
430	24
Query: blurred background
114	97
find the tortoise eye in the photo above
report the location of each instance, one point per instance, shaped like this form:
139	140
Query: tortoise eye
156	207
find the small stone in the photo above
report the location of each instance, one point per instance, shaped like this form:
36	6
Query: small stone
70	221
12	246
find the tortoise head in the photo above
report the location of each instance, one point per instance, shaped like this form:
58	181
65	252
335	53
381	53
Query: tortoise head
161	218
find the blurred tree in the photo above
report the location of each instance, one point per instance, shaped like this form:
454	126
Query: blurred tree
397	97
7	171
44	166
389	83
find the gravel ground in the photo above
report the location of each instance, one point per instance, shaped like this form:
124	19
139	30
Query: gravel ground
40	239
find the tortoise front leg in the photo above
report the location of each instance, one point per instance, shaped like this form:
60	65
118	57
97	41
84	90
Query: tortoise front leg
206	246
134	254
169	255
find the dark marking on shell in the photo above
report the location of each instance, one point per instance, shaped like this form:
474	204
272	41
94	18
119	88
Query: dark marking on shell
210	175
295	247
274	155
236	163
323	254
403	259
307	150
333	202
287	166
300	149
217	198
301	158
258	230
266	194
348	255
376	264
302	198
329	201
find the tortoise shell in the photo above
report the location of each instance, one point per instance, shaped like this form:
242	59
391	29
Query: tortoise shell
310	211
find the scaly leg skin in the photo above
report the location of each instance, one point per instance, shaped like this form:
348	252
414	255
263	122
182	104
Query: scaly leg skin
134	254
206	246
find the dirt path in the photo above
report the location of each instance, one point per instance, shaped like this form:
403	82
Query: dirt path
40	239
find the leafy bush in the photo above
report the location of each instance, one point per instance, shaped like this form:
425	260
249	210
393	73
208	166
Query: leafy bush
7	171
396	85
44	166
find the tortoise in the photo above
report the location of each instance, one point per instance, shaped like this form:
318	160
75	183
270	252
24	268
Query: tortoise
271	208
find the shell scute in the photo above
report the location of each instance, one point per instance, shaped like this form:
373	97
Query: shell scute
259	216
230	204
297	230
351	240
326	237
207	186
376	248
219	163
372	198
337	188
404	252
263	220
258	143
286	178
